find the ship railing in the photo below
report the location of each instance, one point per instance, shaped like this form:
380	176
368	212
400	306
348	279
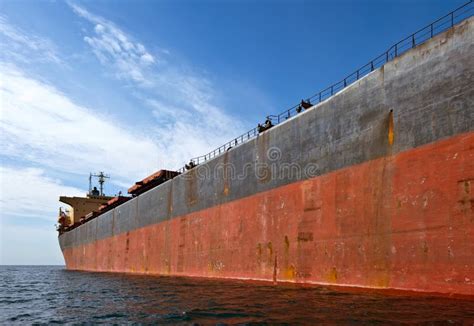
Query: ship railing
419	37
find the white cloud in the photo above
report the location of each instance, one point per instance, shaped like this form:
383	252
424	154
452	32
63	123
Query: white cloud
182	101
113	47
18	45
40	124
147	58
28	192
28	211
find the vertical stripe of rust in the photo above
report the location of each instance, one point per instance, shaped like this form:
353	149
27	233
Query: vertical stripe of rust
390	128
401	222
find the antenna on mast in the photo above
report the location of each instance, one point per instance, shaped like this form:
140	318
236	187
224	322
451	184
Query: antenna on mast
101	176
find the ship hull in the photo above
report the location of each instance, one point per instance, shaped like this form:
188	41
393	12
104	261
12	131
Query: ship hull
382	194
400	222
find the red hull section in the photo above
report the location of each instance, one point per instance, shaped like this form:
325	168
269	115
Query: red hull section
402	222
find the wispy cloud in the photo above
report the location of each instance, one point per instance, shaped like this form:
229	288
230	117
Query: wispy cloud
41	125
183	101
45	127
18	45
113	47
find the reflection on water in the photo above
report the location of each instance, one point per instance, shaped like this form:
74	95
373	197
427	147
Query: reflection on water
48	294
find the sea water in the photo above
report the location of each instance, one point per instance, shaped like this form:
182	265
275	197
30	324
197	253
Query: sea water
51	294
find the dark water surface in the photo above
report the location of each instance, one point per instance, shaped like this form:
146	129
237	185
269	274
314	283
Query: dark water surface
50	294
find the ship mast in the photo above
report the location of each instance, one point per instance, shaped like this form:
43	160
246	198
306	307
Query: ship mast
101	176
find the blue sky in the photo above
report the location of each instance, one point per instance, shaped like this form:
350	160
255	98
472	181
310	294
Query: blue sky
129	87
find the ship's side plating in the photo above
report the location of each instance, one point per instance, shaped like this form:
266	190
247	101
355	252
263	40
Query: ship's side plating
373	187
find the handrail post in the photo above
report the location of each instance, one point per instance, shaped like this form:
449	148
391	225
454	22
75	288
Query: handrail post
413	41
452	19
396	50
431	30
